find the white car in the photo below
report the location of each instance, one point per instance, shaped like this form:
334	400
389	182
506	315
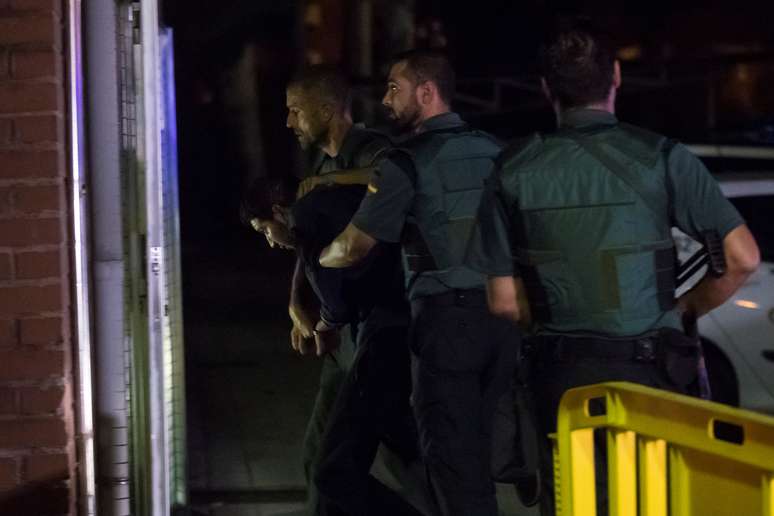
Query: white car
738	336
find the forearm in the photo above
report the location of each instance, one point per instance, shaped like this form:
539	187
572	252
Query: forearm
337	255
301	294
355	176
347	249
742	258
710	293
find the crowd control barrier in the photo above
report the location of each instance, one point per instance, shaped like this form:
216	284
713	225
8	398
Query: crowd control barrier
667	454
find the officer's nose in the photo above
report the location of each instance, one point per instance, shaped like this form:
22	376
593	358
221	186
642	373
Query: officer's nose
287	121
386	99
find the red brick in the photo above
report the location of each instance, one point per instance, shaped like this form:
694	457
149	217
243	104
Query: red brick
46	468
24	364
21	232
9	476
8	404
20	97
30	299
44	30
36	64
6	126
5	267
36	199
31	433
9	332
6	206
31	164
37	5
40	401
41	331
37	265
37	129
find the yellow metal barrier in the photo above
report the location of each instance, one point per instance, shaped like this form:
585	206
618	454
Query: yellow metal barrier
668	454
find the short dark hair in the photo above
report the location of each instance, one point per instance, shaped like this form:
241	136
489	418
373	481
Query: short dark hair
577	62
324	83
264	193
429	65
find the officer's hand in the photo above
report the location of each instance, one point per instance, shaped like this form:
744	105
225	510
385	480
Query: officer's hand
301	344
326	339
307	185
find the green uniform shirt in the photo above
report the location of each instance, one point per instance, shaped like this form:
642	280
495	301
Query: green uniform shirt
361	148
697	205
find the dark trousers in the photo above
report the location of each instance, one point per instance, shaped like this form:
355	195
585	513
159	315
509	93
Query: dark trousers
463	359
372	407
667	360
333	374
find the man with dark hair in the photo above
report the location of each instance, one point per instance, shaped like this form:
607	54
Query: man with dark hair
425	197
319	115
410	69
574	234
579	66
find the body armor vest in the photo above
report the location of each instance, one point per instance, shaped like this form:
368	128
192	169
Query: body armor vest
594	229
451	167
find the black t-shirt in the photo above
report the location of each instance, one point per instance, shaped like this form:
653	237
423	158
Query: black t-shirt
346	295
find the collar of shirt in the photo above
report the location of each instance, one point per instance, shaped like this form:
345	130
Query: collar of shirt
584	117
440	122
347	146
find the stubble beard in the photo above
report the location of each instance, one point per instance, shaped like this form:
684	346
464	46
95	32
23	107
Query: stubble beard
408	121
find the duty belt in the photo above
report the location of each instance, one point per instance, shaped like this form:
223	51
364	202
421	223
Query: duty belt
473	297
640	349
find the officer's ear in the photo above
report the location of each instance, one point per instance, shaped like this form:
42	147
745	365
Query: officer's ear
326	112
426	92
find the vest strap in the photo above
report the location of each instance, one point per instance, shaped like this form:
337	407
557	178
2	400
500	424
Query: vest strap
657	204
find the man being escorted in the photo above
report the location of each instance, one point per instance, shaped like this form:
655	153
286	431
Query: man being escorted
426	198
574	233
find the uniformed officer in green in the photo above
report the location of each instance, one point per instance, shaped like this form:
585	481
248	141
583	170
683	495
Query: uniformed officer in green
425	196
318	103
574	234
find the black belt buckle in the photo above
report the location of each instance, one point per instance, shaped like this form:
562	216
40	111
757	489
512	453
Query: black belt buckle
644	350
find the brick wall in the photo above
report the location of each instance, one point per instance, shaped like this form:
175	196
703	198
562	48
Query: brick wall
37	453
